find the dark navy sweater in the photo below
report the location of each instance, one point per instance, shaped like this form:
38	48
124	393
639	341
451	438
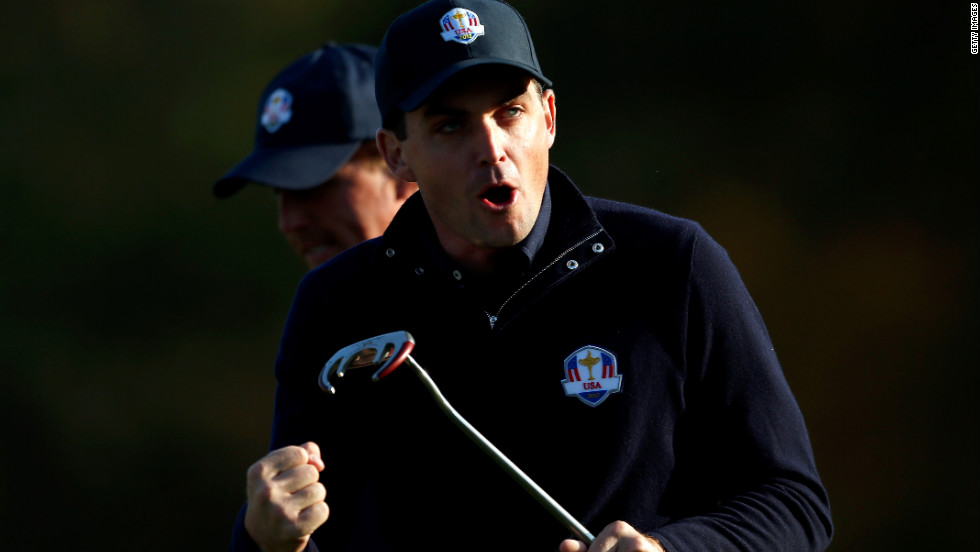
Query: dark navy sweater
702	445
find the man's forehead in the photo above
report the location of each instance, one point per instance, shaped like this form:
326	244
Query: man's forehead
499	87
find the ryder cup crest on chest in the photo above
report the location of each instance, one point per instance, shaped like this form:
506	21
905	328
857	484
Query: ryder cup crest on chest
591	375
461	25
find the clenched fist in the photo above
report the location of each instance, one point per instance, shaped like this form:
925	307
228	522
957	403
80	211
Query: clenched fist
285	498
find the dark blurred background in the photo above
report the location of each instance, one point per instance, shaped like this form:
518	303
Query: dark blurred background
832	147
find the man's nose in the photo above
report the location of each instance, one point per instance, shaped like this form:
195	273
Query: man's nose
292	215
489	139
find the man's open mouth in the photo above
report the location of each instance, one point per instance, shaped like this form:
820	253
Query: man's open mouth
498	196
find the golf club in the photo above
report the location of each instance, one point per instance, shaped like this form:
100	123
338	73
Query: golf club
387	352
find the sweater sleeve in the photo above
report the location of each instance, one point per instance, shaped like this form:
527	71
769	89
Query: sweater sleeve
749	480
300	416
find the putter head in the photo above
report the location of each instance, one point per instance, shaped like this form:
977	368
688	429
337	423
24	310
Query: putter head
384	351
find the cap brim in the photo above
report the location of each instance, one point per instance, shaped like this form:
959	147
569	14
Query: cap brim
415	100
288	168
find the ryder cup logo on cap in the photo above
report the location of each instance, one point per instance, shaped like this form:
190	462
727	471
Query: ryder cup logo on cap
278	110
601	377
461	25
429	44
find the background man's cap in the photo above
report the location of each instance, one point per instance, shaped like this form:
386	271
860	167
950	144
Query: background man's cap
429	44
311	119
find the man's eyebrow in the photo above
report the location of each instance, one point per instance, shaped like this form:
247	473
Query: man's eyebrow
440	110
514	94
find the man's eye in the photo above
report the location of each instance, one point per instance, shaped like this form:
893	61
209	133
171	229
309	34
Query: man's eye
449	126
512	112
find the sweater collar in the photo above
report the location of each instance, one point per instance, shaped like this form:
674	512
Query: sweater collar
564	218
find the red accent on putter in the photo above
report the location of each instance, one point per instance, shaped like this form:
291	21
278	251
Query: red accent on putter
394	361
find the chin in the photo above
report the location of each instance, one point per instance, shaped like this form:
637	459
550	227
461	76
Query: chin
504	239
319	256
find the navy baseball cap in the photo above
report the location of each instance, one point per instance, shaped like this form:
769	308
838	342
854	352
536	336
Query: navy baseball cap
312	117
436	40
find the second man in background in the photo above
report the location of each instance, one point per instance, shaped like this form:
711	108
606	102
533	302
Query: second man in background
315	147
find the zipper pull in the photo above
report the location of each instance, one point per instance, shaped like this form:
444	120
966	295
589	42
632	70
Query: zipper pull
492	319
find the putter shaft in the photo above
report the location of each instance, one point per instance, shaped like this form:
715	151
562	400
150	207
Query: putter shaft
516	473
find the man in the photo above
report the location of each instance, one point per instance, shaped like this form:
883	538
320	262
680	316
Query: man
315	147
609	350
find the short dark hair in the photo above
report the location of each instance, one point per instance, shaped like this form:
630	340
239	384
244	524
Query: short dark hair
395	120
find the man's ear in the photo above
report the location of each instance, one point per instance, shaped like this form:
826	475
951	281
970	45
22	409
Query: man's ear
391	150
550	115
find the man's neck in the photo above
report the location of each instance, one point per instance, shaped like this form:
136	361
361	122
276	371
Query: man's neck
484	260
472	258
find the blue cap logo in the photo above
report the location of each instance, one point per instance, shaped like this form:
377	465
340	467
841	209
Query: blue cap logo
461	25
278	110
